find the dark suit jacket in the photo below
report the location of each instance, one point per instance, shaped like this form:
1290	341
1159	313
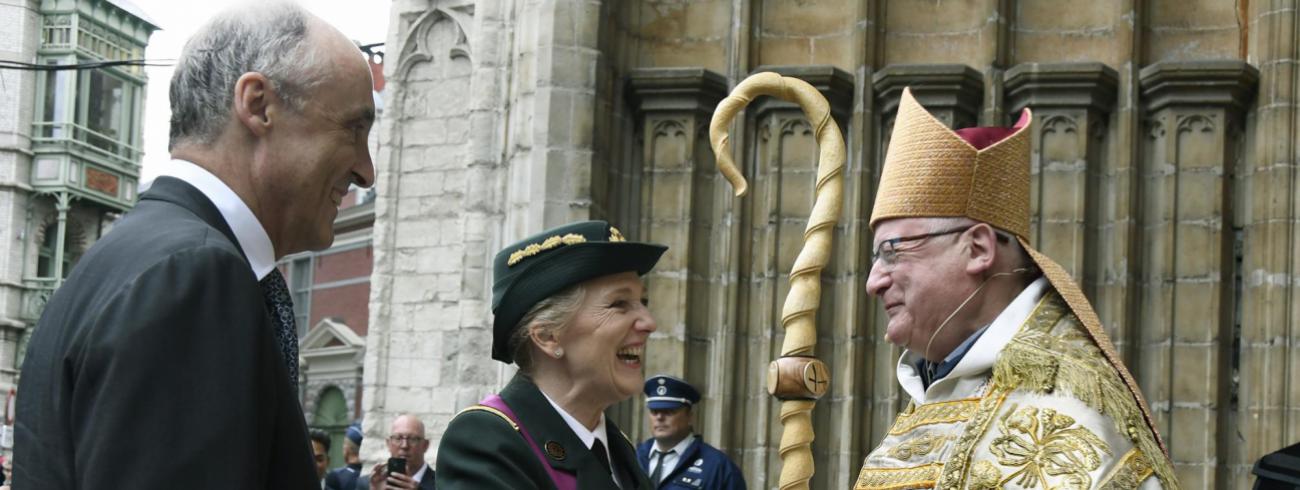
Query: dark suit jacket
480	450
426	481
155	365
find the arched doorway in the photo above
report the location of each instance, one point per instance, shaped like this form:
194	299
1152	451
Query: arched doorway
332	417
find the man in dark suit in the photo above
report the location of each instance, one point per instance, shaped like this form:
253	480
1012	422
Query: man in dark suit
676	458
320	448
169	357
406	440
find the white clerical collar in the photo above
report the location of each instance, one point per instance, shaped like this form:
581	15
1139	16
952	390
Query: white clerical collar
680	448
984	353
587	436
248	231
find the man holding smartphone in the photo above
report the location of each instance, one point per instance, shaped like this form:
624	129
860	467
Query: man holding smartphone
405	468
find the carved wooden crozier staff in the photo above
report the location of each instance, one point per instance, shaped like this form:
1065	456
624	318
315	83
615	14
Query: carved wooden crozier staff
796	378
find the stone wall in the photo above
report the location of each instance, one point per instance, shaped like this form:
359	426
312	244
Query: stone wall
1163	166
490	139
19	33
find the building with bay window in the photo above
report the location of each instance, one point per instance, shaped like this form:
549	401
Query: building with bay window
70	146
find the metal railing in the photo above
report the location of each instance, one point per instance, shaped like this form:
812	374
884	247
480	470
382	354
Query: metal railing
66	133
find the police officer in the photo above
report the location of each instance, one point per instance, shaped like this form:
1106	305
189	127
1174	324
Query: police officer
676	458
345	477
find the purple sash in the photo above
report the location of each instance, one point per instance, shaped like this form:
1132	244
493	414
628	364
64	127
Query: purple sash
562	480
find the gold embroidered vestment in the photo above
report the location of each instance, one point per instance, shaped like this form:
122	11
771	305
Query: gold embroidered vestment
1051	413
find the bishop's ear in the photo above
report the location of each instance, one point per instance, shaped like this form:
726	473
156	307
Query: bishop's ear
983	249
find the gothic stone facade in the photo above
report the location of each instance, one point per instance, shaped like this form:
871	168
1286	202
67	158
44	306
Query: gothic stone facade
1164	179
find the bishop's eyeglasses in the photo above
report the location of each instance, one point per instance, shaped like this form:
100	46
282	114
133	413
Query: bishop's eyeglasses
887	251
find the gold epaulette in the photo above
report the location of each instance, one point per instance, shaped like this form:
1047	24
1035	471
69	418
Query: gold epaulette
493	411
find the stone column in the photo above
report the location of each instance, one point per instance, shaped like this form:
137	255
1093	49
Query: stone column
1070	102
952	93
21	23
679	184
1266	412
438	211
1195	121
1071	218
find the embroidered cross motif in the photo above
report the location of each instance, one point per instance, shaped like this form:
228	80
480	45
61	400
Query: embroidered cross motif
1042	443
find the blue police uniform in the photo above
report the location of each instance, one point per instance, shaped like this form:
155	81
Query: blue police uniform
345	477
700	466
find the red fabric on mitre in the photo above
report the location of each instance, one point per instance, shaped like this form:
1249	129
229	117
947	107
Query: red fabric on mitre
984	137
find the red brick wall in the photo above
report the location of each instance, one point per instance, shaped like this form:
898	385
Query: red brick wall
351	304
341	266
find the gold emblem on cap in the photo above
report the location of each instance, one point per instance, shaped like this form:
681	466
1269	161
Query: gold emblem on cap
536	248
555	450
615	235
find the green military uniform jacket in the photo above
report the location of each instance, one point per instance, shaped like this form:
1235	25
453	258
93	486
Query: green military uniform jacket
482	449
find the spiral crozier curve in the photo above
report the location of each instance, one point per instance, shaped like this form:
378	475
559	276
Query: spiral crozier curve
798	316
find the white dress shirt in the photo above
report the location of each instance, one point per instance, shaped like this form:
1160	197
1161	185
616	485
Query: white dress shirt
419	475
248	230
671	458
587	436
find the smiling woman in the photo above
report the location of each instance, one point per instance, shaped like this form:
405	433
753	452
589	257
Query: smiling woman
570	311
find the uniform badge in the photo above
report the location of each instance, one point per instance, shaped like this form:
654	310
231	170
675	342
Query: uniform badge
661	390
690	482
699	462
555	450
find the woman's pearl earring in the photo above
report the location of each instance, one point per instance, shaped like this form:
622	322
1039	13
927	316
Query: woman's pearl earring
559	352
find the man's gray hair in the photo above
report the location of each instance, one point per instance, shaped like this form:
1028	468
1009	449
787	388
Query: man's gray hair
1021	256
267	38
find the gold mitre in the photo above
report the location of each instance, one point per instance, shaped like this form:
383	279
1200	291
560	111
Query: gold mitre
932	171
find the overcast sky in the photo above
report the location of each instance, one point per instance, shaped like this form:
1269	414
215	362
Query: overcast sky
362	20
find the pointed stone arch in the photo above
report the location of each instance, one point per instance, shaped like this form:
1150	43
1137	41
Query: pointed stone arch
420	43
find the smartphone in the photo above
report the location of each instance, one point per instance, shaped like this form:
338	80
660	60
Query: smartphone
397	465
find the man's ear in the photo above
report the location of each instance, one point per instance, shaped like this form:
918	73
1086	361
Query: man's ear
254	98
983	249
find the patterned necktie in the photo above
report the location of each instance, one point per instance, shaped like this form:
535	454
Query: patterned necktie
659	468
280	305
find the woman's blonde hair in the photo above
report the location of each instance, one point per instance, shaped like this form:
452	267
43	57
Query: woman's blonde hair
550	316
